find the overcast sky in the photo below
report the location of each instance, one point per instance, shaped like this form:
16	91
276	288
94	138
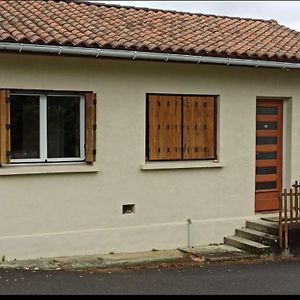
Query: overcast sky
285	12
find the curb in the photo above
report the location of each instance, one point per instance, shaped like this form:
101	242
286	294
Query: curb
179	258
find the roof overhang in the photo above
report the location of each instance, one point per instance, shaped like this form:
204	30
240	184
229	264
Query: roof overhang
139	55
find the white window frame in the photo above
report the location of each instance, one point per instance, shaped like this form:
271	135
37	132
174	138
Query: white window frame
43	131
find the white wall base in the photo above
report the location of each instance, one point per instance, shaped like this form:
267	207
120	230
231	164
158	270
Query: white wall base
127	239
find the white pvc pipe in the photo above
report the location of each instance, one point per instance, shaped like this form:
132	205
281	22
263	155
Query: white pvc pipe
189	223
81	51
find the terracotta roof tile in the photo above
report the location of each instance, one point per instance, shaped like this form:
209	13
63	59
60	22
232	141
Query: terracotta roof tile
109	26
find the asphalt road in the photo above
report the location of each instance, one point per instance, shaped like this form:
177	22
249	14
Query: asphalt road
281	278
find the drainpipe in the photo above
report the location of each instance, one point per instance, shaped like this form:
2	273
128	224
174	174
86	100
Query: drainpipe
189	223
133	55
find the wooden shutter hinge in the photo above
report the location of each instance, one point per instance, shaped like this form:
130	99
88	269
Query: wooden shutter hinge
7	99
8	153
95	127
94	102
8	126
94	151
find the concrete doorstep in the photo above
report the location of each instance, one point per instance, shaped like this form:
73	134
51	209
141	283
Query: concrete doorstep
219	253
191	255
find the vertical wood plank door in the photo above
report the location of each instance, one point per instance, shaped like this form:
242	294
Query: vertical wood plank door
268	179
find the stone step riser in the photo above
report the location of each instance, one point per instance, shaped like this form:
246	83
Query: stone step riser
246	247
262	227
266	240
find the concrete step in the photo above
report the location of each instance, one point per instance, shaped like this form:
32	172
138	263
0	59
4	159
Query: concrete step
263	226
247	245
257	236
218	253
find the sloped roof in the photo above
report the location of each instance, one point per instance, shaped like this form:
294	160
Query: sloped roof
140	29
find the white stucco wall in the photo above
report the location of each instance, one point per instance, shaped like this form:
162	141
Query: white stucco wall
81	212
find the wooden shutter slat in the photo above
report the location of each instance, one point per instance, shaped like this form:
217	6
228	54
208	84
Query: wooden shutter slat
91	126
4	128
165	138
199	127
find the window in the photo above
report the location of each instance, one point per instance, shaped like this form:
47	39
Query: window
47	127
181	127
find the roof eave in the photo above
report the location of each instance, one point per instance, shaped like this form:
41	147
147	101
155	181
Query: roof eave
140	55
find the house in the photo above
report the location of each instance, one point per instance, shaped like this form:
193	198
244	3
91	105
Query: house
122	128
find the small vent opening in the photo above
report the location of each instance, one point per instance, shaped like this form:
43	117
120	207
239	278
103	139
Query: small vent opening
128	209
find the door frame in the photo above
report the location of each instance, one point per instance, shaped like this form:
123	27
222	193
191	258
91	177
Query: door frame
262	196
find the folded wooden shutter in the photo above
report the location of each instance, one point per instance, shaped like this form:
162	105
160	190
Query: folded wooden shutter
165	139
4	127
199	127
90	127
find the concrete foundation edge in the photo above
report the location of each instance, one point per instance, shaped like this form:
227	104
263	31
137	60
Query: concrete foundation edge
118	240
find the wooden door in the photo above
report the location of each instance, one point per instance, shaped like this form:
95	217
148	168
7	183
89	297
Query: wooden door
268	180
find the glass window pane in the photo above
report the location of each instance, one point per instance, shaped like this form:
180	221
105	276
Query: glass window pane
266	126
25	126
266	170
266	110
266	155
266	185
266	140
63	126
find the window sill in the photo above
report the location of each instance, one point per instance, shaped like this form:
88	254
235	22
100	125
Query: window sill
31	169
165	165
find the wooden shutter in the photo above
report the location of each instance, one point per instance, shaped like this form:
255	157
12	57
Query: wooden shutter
4	127
164	121
199	127
90	127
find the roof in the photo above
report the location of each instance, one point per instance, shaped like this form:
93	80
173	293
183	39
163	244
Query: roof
103	26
